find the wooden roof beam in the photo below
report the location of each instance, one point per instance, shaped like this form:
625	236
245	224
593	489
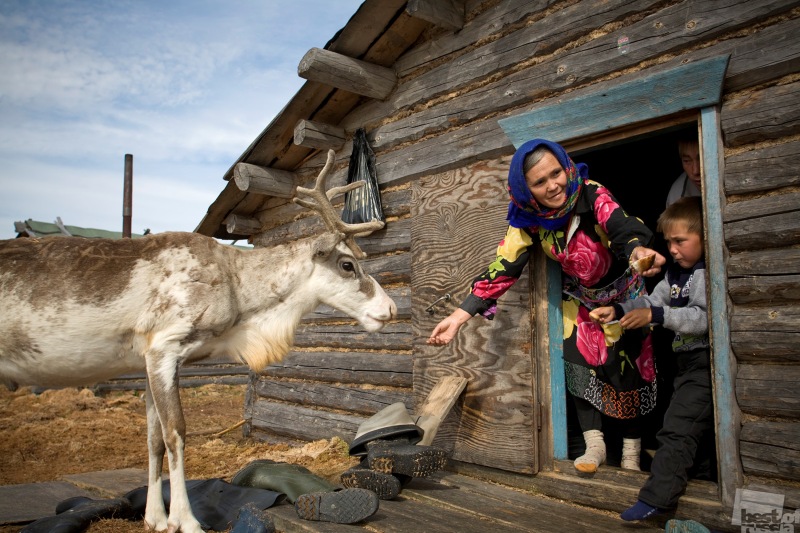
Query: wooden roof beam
447	14
318	135
343	72
241	225
267	181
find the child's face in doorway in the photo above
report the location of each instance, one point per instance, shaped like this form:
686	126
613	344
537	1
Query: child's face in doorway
685	247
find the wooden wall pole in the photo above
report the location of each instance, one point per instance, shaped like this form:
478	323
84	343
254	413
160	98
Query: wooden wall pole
127	197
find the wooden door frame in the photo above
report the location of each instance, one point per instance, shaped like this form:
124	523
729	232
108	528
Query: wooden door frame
591	118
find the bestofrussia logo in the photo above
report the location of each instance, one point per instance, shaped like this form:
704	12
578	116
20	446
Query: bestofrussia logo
762	511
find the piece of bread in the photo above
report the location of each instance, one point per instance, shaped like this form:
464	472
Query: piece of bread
644	263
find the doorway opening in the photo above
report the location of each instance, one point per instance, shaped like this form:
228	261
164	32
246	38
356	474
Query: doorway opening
639	171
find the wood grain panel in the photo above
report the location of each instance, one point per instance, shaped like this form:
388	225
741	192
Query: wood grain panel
458	220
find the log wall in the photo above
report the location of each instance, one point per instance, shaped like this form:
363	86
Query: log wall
442	116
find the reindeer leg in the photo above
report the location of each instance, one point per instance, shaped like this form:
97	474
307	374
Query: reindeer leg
155	516
162	374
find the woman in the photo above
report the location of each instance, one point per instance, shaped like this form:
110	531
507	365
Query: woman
580	225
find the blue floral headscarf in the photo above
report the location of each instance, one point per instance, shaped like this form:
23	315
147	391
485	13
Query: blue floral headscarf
523	211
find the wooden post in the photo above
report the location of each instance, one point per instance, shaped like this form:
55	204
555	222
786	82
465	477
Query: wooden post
318	135
127	197
443	13
346	73
241	225
261	180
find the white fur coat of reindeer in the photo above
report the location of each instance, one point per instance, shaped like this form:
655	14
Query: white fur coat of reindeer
79	311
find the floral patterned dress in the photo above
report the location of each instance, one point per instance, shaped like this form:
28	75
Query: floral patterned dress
612	369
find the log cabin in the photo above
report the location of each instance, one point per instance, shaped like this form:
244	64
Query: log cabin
445	90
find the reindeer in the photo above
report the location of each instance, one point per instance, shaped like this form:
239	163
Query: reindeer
80	311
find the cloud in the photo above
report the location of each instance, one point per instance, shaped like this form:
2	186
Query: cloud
184	86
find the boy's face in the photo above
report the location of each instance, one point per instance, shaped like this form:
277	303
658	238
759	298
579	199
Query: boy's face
685	247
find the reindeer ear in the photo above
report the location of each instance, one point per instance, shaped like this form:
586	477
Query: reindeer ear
324	245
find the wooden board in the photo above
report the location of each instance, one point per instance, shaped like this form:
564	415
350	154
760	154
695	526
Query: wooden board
438	404
458	219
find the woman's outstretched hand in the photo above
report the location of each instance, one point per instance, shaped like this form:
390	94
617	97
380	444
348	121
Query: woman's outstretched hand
446	330
640	252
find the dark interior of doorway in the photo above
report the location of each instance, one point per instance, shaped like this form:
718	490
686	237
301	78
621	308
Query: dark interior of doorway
639	171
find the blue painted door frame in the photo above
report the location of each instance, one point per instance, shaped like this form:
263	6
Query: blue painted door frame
693	86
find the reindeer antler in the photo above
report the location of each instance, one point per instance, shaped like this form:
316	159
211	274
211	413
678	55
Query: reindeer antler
320	201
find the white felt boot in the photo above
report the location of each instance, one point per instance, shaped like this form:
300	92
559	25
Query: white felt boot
631	449
595	454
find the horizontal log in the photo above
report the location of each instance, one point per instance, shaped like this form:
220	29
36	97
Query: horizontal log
184	383
395	203
343	72
767	231
764	206
302	423
400	295
765	115
784	318
359	368
318	135
766	346
394	336
767	55
773	262
261	180
769	390
196	371
771	449
521	89
395	236
242	225
758	170
331	396
790	490
446	14
775	290
389	269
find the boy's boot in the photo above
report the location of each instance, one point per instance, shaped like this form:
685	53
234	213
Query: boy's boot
595	453
631	450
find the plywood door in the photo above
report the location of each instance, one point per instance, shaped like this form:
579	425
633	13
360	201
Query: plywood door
458	219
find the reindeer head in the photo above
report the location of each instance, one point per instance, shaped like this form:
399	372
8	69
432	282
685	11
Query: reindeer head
319	201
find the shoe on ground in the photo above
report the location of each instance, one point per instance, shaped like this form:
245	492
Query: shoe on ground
386	486
346	506
252	519
639	511
405	459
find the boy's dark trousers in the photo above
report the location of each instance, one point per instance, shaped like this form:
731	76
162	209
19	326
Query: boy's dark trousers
689	416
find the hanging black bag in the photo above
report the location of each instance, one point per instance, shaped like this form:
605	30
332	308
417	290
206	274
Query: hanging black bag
364	203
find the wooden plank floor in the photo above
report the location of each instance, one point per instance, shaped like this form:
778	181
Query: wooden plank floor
451	503
446	503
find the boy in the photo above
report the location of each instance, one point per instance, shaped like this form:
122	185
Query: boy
678	303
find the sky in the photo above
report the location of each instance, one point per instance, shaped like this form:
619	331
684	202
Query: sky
184	86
